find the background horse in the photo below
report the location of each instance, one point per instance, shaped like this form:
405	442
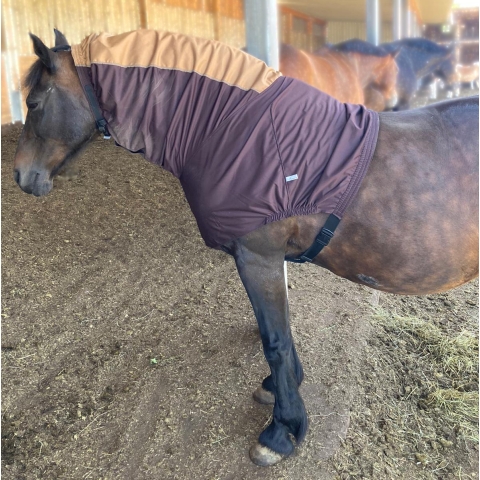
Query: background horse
376	70
348	76
328	71
411	229
466	74
419	58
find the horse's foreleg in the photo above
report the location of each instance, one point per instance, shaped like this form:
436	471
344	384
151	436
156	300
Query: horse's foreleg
262	274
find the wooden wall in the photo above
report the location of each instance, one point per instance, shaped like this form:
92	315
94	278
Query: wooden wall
340	31
215	19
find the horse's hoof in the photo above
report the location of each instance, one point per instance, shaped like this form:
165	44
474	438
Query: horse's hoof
263	456
263	396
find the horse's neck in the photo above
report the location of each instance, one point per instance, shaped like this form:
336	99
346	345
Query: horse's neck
421	60
366	67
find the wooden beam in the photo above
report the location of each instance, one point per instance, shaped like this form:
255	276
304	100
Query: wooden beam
216	19
143	13
303	16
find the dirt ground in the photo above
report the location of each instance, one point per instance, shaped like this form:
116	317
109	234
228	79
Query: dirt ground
130	350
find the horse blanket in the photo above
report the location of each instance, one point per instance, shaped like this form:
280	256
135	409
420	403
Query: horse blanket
248	145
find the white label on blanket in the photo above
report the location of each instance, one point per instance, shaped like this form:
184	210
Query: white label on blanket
291	177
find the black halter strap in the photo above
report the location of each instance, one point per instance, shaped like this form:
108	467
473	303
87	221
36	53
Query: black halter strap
322	240
86	81
61	48
100	122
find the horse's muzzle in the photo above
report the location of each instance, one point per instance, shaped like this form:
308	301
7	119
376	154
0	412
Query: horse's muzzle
392	101
33	181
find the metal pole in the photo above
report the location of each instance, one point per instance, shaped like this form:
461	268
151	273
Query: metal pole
405	17
261	29
409	23
397	19
373	21
261	32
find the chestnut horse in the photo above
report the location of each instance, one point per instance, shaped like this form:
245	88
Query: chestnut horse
376	69
350	76
412	228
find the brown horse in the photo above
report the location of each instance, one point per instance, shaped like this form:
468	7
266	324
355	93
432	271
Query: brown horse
377	70
350	76
378	78
328	71
412	227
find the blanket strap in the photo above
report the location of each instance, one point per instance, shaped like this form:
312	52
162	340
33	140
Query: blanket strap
322	240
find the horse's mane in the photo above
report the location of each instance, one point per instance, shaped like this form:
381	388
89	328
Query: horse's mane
422	44
360	46
34	75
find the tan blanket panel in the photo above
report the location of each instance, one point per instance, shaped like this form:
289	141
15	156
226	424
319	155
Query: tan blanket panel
152	48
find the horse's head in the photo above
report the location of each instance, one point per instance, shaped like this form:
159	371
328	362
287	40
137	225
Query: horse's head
59	120
446	70
385	79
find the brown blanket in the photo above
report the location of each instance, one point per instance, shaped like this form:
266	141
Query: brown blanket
248	145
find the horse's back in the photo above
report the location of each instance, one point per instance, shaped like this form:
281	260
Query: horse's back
442	125
413	227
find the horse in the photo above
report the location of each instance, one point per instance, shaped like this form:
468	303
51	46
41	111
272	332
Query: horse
410	222
330	73
466	74
376	69
351	77
419	58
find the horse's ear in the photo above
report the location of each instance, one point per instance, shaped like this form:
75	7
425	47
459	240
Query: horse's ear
43	52
60	39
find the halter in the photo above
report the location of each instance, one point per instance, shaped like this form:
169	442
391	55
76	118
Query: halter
100	121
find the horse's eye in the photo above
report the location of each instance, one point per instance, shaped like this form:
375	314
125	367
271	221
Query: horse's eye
32	105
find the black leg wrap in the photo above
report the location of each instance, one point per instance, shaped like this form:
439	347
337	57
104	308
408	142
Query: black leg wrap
276	437
267	383
297	365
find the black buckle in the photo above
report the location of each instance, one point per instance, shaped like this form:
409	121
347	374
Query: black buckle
324	237
102	126
321	241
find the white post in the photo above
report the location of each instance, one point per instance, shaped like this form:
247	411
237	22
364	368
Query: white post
397	19
373	21
261	29
261	32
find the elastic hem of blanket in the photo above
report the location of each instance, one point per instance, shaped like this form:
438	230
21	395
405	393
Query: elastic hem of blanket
321	241
363	163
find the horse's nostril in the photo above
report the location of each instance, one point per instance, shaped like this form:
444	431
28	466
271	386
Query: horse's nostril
16	176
